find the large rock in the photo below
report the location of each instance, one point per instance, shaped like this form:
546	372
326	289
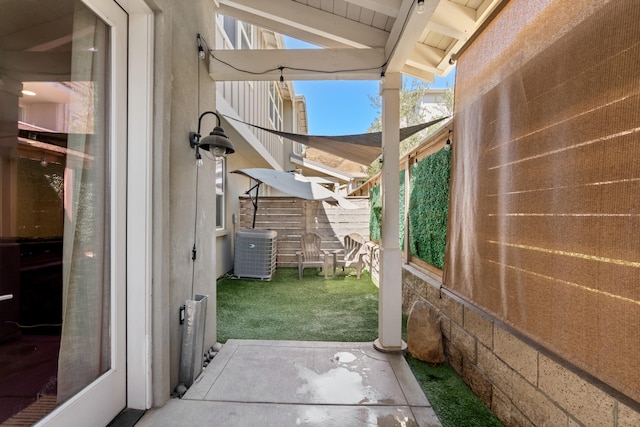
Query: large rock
424	337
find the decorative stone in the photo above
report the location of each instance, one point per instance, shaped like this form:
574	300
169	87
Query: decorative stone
181	389
424	337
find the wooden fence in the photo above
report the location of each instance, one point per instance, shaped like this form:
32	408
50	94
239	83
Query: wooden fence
291	217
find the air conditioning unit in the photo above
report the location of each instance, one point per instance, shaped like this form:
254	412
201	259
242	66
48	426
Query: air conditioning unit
255	254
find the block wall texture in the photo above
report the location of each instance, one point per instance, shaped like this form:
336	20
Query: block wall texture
519	383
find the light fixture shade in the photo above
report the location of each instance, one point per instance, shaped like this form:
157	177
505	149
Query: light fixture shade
217	142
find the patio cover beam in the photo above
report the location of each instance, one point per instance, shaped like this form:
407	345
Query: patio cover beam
403	39
299	64
328	29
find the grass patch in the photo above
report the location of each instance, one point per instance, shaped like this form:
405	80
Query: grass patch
286	308
342	309
452	400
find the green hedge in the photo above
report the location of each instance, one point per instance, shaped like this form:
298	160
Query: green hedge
402	213
428	208
375	223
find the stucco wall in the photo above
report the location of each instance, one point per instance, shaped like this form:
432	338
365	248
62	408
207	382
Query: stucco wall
523	385
177	104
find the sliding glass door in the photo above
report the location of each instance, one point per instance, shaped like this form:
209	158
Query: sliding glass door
62	211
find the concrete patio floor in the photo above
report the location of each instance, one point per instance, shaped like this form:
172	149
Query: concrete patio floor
296	383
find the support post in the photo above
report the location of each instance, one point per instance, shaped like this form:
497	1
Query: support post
390	294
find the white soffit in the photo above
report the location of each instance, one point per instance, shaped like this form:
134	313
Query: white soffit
391	32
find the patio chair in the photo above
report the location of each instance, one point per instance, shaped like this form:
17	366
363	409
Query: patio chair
352	254
311	254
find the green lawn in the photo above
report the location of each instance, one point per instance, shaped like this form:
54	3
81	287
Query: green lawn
342	309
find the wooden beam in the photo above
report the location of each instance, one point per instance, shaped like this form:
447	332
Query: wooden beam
386	7
425	57
431	59
287	14
418	73
406	32
453	20
485	9
311	64
450	31
279	27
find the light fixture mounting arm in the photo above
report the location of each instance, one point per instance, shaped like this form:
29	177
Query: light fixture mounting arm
194	137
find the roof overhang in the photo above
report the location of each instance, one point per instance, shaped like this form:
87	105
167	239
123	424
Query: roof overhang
245	142
295	185
321	168
364	36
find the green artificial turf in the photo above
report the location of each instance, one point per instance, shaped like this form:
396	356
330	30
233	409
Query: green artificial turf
342	309
286	308
451	399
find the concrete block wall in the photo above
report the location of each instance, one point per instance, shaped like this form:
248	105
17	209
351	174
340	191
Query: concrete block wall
519	383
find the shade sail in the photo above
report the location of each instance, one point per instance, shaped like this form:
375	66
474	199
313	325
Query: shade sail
361	148
295	185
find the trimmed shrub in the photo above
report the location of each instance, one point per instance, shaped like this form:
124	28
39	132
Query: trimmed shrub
429	207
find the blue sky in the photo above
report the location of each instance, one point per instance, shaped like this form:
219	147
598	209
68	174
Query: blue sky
341	107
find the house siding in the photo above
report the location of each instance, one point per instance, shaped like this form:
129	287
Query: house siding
250	101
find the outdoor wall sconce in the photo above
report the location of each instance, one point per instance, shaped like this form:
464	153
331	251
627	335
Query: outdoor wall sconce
447	145
216	142
420	8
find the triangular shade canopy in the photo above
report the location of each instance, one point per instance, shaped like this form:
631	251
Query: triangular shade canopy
362	148
295	185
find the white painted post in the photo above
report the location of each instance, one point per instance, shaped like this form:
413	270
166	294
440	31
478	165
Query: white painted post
390	294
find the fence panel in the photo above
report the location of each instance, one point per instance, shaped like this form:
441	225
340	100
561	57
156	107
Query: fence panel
291	217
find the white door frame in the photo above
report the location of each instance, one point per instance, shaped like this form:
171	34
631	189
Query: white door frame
139	204
131	359
105	397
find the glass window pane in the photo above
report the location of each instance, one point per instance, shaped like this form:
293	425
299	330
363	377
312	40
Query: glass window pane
219	175
230	30
220	207
219	211
54	204
247	35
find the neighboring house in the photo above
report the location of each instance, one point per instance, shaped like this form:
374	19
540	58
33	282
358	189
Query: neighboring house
345	174
267	104
137	232
434	103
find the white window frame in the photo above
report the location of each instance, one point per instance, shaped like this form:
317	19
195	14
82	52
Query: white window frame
243	33
220	189
276	107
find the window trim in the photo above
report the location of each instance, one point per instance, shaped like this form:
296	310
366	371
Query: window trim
221	220
276	107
